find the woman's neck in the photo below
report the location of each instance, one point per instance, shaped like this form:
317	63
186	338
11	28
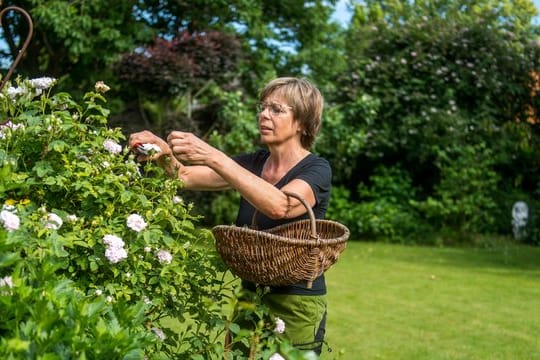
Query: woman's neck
280	162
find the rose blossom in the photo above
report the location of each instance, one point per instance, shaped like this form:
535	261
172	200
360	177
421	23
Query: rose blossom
136	222
115	254
9	207
177	200
164	256
13	92
42	83
53	221
159	333
147	149
6	281
112	146
9	220
101	87
280	326
113	241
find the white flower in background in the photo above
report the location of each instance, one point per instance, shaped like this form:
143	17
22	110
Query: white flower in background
101	87
112	146
99	292
177	200
71	218
115	254
109	299
146	300
147	249
42	83
6	281
164	256
159	333
113	241
136	222
53	221
276	356
280	326
10	221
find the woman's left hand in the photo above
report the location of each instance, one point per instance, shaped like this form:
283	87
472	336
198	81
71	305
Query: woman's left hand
189	148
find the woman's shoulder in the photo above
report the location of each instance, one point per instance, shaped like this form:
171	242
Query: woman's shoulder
314	159
313	166
249	159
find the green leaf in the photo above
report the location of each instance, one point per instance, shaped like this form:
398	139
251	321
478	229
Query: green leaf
58	146
18	345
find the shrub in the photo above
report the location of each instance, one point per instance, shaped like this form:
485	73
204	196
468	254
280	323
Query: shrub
382	209
97	260
455	88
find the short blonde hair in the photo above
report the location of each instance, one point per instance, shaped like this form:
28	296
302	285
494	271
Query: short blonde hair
306	101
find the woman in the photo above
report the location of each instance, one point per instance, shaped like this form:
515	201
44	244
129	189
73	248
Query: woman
289	117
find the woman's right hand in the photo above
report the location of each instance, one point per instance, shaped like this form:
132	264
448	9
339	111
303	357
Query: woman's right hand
147	137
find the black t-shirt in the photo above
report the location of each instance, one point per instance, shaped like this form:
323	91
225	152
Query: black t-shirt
317	173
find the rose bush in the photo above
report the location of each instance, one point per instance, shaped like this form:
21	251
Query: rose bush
84	237
99	255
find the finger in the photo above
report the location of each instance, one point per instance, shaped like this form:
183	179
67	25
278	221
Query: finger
175	135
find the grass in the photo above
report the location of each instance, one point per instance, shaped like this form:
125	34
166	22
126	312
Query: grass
404	302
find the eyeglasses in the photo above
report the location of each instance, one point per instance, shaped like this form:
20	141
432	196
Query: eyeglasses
273	108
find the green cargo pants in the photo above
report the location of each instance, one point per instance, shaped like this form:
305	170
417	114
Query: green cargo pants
304	317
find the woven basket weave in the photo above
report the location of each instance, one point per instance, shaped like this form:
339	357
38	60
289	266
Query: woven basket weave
287	254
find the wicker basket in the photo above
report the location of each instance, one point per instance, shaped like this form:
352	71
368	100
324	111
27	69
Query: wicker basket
287	254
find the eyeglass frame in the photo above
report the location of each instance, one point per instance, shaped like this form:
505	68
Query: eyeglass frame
274	109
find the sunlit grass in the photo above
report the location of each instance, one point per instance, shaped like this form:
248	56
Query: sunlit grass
400	302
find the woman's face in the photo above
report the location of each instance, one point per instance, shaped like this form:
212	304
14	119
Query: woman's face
276	121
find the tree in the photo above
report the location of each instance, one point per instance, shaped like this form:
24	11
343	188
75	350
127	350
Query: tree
79	41
453	82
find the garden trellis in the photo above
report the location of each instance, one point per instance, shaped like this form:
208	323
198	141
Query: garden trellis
26	41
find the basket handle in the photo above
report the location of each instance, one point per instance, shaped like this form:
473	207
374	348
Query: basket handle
306	205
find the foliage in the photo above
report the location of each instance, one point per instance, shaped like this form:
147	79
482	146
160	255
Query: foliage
383	211
429	87
97	259
79	41
453	84
73	41
464	197
182	64
345	136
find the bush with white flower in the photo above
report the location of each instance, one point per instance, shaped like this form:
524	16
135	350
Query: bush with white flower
96	260
100	257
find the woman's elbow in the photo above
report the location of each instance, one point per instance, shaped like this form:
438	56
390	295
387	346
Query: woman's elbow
279	212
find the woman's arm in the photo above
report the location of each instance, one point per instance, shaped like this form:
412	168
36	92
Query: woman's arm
193	177
210	169
263	195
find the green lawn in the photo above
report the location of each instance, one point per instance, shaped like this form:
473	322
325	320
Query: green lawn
404	302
